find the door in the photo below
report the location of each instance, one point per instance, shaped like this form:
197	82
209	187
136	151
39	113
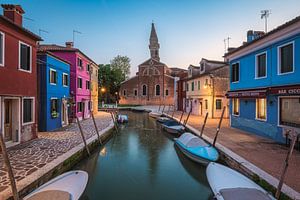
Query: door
200	108
64	113
7	120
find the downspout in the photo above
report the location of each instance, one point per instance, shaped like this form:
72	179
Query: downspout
213	96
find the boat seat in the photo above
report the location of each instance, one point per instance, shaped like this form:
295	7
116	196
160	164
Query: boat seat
244	194
51	195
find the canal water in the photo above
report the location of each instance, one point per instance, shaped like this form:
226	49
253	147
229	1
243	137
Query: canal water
142	163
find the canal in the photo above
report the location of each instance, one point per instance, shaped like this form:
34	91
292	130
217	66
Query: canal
141	162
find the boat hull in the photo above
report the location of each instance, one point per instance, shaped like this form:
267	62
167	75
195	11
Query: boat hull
73	182
173	130
222	178
192	156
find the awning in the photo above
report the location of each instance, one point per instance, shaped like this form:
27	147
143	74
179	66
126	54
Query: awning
247	94
285	90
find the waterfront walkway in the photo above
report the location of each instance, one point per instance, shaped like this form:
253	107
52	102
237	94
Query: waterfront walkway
33	158
263	153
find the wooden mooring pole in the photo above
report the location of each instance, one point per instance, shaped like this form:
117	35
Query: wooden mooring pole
114	121
187	118
9	168
286	165
181	116
163	109
83	138
96	128
204	123
173	111
219	126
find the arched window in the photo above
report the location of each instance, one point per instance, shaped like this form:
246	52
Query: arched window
124	92
167	92
157	90
144	90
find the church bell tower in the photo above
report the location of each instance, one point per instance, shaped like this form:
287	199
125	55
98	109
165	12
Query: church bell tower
154	45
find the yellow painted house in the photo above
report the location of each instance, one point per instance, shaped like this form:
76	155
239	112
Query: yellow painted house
94	87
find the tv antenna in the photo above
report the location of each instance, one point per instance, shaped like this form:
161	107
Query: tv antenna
74	32
226	40
265	14
42	31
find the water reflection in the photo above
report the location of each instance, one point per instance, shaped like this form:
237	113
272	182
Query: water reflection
140	162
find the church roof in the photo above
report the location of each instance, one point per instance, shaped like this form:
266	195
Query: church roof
154	62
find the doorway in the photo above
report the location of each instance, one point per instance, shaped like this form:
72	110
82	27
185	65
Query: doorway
7	120
64	113
11	119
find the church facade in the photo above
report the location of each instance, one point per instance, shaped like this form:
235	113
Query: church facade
154	83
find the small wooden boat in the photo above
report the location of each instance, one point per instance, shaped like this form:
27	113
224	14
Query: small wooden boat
174	129
68	186
228	184
164	119
155	114
196	148
122	119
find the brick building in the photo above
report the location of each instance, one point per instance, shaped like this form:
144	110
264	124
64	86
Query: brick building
154	83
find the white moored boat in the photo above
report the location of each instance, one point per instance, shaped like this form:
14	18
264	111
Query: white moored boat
228	184
155	114
68	186
175	129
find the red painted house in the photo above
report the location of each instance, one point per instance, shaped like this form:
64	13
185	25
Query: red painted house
18	77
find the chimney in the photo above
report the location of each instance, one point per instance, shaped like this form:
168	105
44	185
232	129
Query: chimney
69	44
14	13
253	35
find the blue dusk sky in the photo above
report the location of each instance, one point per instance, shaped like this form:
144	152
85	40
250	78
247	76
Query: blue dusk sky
188	30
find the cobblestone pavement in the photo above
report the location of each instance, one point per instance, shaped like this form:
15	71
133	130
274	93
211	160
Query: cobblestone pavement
28	157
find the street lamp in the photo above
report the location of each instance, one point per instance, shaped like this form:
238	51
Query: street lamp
102	90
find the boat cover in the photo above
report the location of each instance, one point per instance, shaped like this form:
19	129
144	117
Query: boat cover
51	195
243	194
190	140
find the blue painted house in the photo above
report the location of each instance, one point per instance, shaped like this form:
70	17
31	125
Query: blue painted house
265	82
54	91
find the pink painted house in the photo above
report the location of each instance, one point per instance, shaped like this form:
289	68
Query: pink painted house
80	81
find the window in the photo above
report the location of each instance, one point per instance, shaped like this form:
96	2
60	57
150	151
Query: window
124	93
2	49
53	77
198	85
79	83
80	107
88	67
79	63
144	90
289	113
28	110
193	86
135	92
167	92
87	85
261	65
235	106
286	58
187	86
261	109
157	90
65	79
218	104
54	108
24	57
206	104
202	67
235	72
